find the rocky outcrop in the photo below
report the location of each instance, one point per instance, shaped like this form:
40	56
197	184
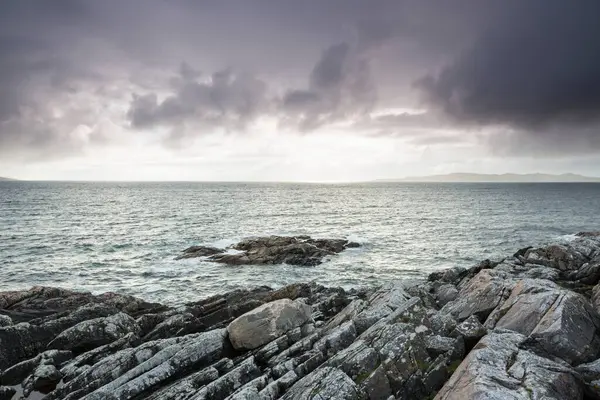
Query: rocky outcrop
526	327
295	250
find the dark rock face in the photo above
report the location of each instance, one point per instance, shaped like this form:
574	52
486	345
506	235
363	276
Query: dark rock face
297	250
526	327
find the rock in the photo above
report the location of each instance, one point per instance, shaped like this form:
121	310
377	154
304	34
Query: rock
7	393
483	293
266	323
94	333
498	369
556	256
325	383
298	250
445	294
18	372
199	251
590	373
5	320
437	345
559	322
529	322
44	379
470	330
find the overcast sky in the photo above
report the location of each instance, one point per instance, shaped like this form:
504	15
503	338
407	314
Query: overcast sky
337	90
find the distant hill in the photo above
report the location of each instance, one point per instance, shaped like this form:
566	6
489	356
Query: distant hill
6	179
468	177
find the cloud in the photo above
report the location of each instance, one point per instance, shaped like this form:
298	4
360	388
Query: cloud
340	87
534	70
199	104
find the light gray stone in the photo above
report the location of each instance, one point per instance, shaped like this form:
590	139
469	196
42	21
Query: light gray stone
267	322
95	332
498	369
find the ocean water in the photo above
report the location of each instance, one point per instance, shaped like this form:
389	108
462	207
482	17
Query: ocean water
123	237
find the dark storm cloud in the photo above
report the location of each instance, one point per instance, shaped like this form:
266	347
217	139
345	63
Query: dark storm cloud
340	86
224	99
536	69
531	66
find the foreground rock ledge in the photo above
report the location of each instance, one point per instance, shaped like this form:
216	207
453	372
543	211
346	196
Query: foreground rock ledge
526	327
293	250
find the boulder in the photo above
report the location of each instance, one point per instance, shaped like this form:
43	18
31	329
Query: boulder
267	322
94	333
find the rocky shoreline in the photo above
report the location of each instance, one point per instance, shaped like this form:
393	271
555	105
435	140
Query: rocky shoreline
526	327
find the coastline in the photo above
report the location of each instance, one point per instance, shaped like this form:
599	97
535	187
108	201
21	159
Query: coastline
524	326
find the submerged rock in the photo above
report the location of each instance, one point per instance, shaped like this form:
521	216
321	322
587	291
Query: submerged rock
293	250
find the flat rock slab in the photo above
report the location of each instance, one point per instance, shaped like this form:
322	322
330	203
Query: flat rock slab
293	250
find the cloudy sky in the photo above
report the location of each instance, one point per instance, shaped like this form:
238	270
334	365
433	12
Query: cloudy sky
337	90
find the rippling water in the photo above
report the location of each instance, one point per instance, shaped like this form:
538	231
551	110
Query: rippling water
123	236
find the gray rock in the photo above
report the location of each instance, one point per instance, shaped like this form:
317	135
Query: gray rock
437	345
556	256
94	333
325	383
199	251
18	372
198	351
486	291
497	369
445	294
44	379
228	383
471	330
267	322
7	393
561	323
5	320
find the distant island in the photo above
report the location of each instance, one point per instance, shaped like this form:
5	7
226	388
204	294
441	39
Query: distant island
469	177
6	179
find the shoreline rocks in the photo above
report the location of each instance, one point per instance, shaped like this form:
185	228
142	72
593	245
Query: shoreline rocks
268	250
521	328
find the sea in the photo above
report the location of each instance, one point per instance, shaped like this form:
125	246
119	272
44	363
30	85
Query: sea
123	237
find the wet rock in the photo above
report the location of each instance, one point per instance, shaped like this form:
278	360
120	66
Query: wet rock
199	251
267	322
293	250
94	333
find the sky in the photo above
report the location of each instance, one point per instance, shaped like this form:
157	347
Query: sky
284	90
